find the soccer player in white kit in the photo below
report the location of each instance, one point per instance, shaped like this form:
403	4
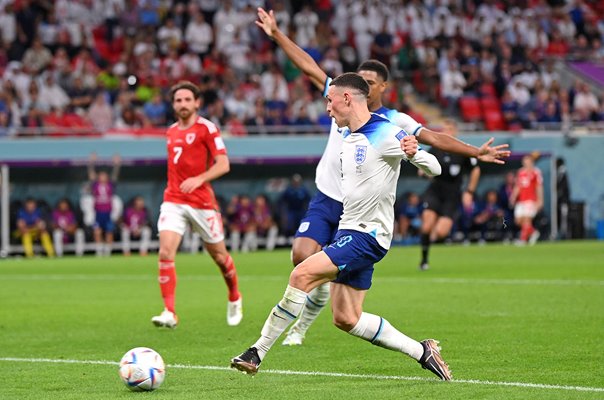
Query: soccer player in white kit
371	153
320	223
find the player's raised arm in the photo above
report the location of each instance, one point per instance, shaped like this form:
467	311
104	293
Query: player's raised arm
299	57
448	143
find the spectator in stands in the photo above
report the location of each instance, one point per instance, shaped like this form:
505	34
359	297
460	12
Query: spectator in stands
265	224
489	218
585	103
51	94
102	188
65	228
241	212
155	110
274	86
37	57
452	86
294	201
100	113
468	213
409	216
135	225
32	226
81	97
199	35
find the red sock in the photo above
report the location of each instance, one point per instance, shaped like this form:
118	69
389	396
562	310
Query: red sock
230	277
526	231
167	282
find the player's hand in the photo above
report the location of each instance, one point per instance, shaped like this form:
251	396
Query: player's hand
494	154
190	184
93	158
409	145
117	160
267	22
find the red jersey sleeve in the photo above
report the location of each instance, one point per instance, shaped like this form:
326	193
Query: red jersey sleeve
213	140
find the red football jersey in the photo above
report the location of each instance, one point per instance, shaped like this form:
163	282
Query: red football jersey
191	152
528	180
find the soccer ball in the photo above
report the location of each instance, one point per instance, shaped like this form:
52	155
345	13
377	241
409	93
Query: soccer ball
142	369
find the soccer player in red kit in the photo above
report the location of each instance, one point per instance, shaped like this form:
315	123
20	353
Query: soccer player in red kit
527	198
196	156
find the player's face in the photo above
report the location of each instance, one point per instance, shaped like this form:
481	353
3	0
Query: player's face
336	106
376	87
185	104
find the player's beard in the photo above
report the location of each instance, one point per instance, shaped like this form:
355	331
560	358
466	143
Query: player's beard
185	113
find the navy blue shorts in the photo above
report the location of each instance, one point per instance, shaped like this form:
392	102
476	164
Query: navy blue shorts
354	253
321	220
103	221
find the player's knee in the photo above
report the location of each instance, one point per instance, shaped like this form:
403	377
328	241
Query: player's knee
344	322
301	279
299	255
166	254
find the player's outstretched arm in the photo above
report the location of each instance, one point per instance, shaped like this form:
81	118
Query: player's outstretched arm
299	57
485	153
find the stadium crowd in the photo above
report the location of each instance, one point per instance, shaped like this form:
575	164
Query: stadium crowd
97	66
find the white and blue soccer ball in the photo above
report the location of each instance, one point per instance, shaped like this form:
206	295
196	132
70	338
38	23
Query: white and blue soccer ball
142	369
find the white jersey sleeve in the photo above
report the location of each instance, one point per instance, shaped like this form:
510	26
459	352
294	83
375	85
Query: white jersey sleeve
406	122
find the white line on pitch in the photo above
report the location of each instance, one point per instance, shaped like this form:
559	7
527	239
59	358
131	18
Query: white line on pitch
328	374
394	279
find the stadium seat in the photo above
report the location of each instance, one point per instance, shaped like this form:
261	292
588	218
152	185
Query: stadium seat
493	120
488	90
470	109
490	104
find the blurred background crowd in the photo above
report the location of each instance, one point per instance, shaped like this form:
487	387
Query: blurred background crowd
91	67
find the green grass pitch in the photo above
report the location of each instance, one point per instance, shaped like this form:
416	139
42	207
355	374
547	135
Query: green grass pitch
514	323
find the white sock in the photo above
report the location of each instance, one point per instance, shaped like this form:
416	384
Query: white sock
378	331
316	300
279	319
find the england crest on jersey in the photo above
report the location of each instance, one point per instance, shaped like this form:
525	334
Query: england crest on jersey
190	138
360	153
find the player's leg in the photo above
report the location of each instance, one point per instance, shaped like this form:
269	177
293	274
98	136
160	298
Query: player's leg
442	228
316	229
429	218
303	248
348	315
315	270
171	226
208	224
224	261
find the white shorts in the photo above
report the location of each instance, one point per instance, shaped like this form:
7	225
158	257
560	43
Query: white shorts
525	209
175	217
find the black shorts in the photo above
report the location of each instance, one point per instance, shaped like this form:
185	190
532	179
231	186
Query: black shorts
443	201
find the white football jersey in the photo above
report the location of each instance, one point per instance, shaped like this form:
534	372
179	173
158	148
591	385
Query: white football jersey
371	162
328	173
